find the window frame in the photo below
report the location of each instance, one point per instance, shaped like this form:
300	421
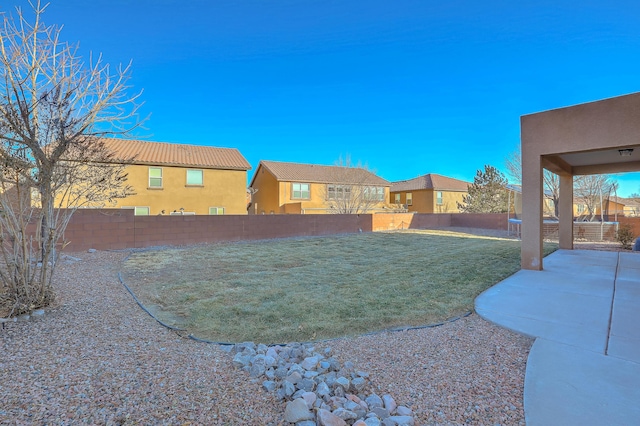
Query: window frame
374	193
300	191
218	209
201	177
439	198
135	210
397	199
161	177
340	192
409	198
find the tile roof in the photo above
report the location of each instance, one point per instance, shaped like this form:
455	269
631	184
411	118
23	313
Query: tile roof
314	173
430	181
629	201
171	154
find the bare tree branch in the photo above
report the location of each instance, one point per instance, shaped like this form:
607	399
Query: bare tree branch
353	189
54	110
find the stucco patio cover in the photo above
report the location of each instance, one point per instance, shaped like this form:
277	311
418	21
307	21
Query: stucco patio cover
583	139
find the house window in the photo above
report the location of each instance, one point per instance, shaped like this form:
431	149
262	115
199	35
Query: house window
137	210
409	199
374	193
300	191
439	198
194	177
581	208
397	200
338	192
155	177
216	210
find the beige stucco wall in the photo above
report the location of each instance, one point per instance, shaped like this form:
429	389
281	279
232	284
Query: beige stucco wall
221	188
450	200
425	201
317	203
318	194
273	197
266	199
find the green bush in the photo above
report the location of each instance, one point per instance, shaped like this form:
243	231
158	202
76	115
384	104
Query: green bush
625	236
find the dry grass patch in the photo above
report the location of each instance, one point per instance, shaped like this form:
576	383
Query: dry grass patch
311	288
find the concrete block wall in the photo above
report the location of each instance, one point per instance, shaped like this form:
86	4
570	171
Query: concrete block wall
394	221
113	229
480	220
634	222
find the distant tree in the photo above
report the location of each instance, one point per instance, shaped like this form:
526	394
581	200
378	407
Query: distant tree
54	109
487	194
354	189
551	181
593	191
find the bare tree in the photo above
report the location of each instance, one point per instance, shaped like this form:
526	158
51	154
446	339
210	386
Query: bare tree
353	189
54	108
593	191
551	181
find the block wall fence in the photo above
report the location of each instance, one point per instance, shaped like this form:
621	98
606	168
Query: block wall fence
634	222
114	229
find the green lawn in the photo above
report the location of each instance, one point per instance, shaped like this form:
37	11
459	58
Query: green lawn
301	289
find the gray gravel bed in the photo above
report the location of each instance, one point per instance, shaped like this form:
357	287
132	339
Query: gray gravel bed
97	358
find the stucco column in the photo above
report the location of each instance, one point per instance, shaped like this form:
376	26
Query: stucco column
565	211
531	248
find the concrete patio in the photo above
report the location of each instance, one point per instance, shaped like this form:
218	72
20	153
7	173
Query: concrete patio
584	367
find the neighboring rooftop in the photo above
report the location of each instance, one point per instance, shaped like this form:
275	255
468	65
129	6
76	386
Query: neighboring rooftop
171	154
314	173
430	181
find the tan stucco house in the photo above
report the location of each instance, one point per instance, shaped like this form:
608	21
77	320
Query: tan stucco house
294	188
430	193
182	179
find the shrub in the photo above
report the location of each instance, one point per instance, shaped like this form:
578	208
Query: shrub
625	236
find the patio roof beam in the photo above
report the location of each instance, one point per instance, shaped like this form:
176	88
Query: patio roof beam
557	165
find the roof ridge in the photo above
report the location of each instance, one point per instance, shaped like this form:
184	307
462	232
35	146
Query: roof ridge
167	143
176	154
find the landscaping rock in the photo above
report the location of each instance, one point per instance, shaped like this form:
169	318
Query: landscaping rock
327	418
374	401
372	421
269	385
319	390
297	411
389	403
381	412
398	421
310	398
403	411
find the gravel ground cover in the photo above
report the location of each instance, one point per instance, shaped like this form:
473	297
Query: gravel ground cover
97	358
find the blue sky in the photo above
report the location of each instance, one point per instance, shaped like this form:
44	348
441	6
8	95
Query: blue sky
406	87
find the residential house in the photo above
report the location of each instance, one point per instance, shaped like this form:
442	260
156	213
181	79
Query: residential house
631	207
430	193
515	202
182	179
608	206
293	188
